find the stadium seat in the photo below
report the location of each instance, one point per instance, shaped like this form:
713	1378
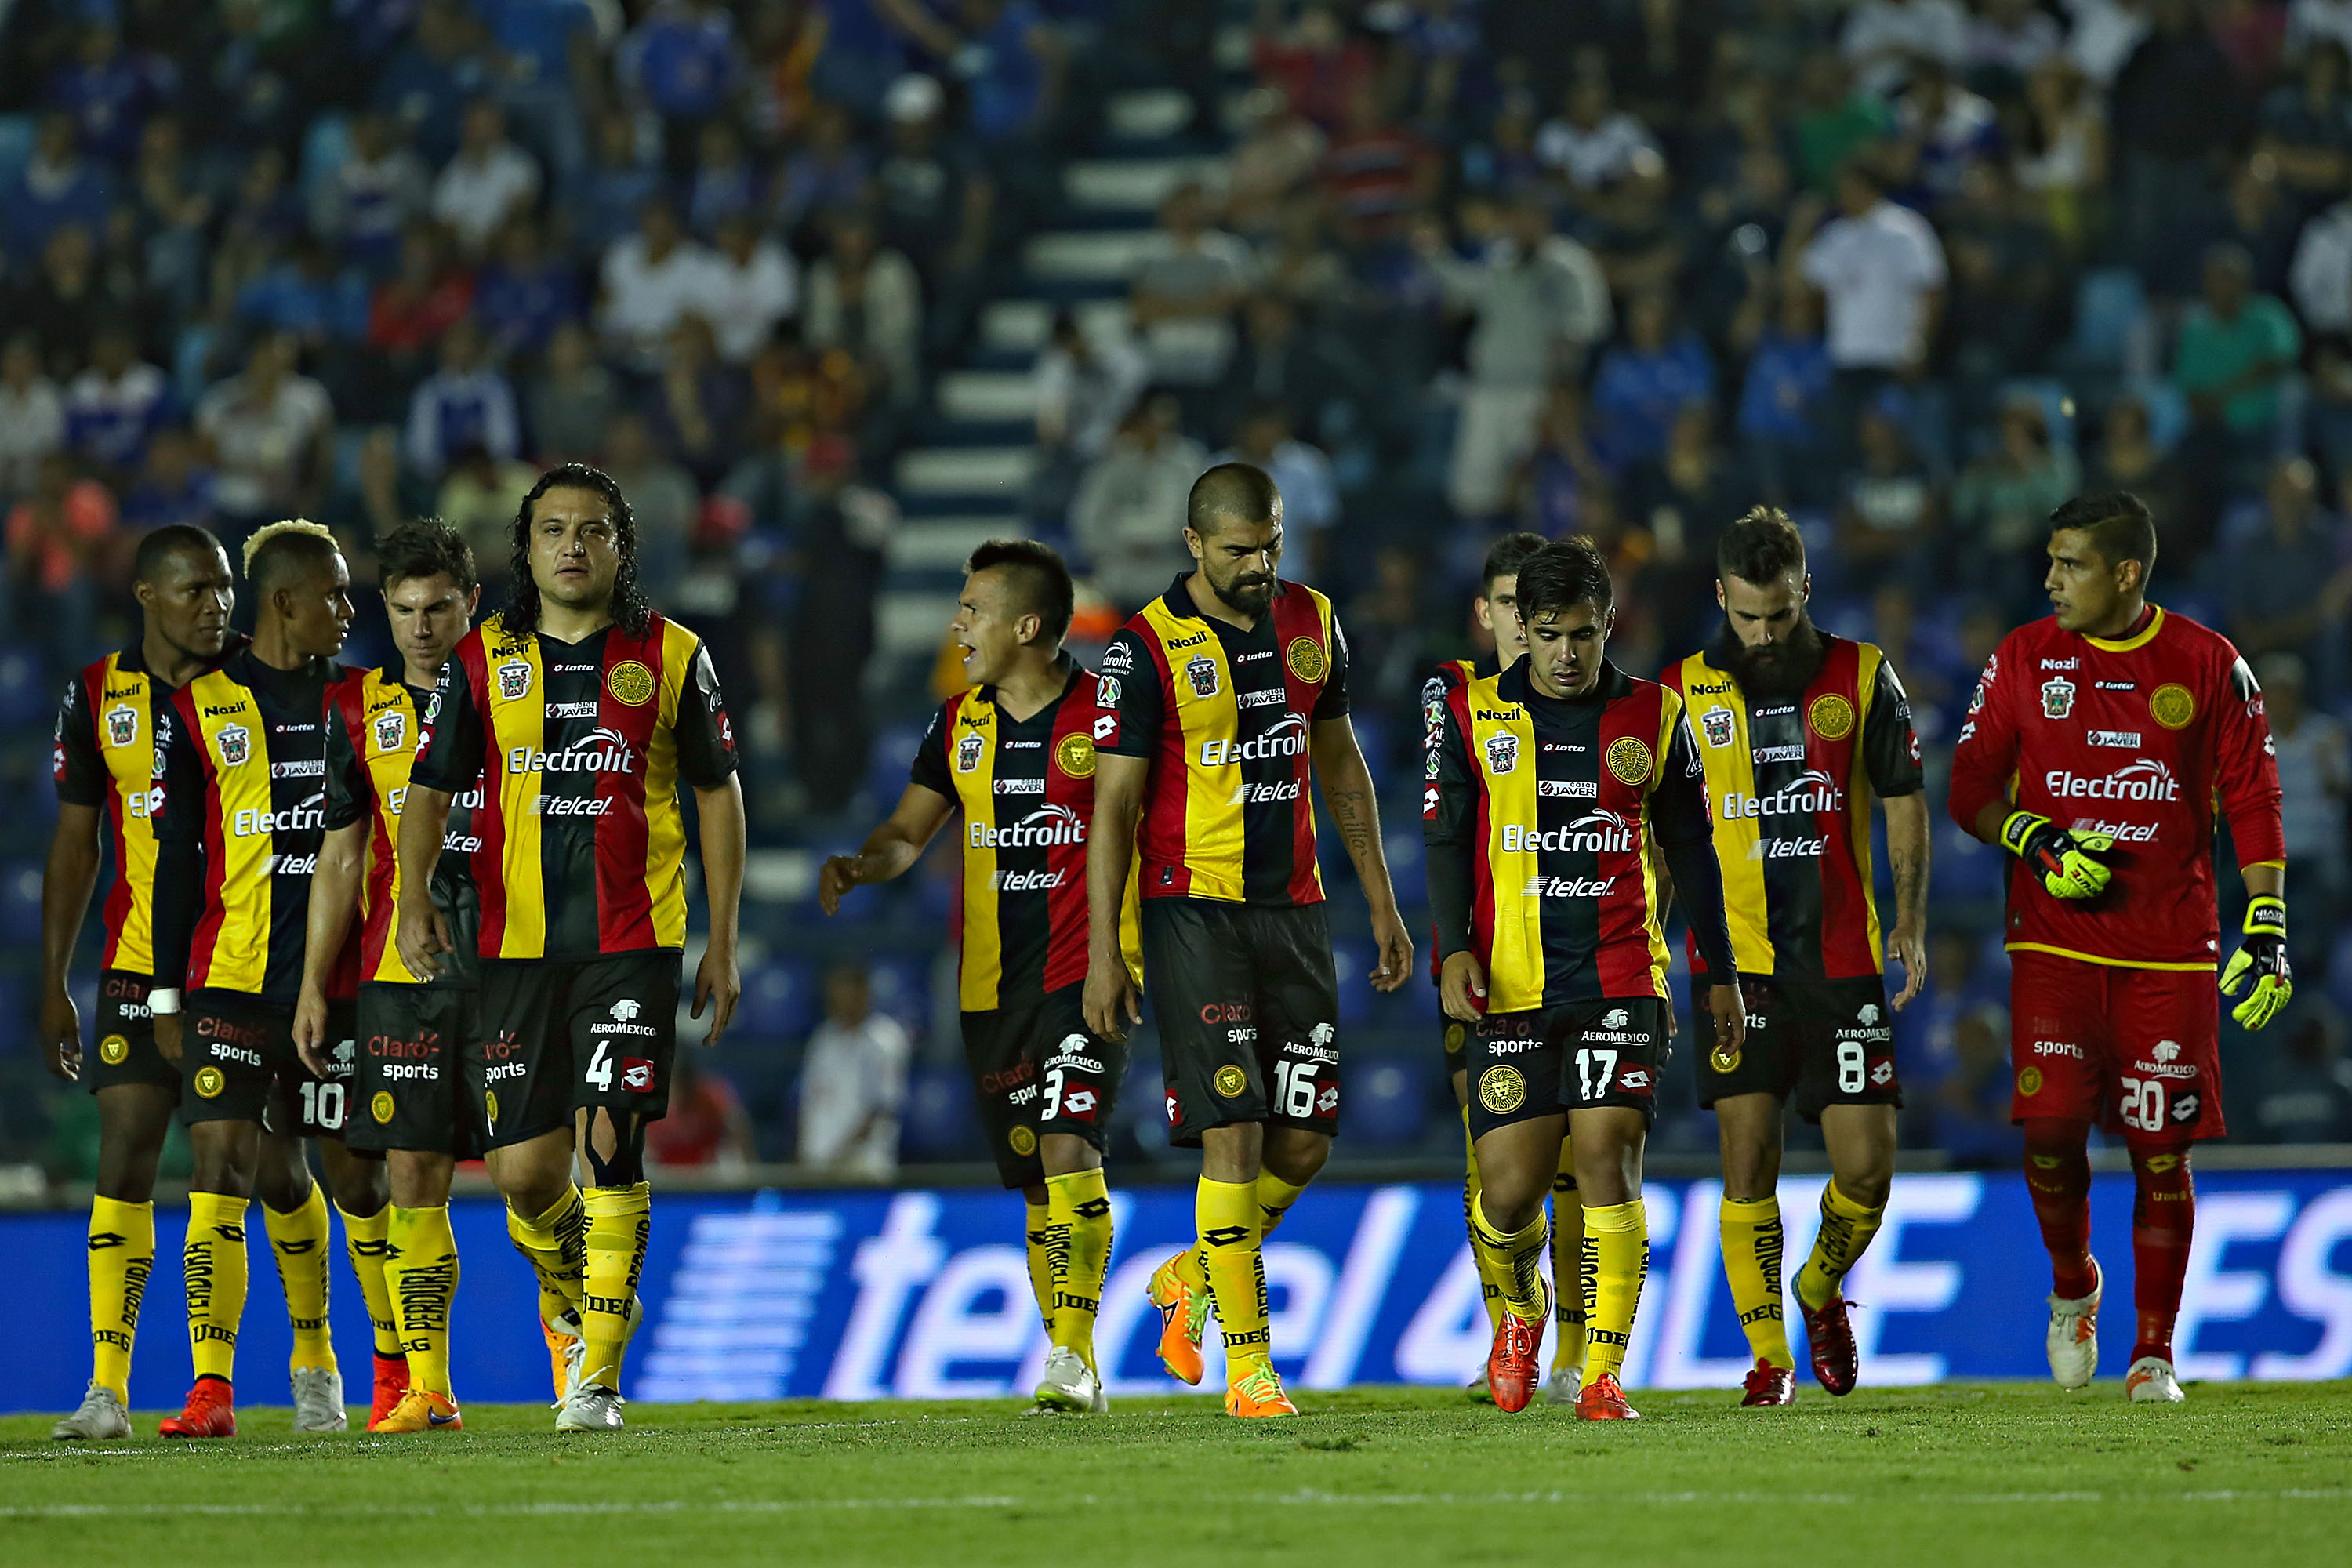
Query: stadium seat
20	904
24	694
780	1001
1385	1104
940	1122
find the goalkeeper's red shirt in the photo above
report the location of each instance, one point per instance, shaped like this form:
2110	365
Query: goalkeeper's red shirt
2144	737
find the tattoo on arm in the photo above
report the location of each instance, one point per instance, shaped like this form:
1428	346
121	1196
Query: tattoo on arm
1358	819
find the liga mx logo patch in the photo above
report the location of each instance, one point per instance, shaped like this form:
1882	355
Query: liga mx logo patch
234	743
390	729
514	680
630	683
113	1050
1307	660
1023	1142
1230	1080
210	1081
382	1106
121	725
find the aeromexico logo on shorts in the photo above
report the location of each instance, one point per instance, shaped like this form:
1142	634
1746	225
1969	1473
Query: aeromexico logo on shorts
620	1018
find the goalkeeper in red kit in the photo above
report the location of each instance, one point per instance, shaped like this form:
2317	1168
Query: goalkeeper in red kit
2099	744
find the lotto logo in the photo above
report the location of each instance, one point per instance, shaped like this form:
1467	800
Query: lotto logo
636	1075
1079	1102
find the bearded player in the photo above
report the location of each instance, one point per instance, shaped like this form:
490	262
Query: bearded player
1555	779
2098	746
1016	755
1496	609
1797	730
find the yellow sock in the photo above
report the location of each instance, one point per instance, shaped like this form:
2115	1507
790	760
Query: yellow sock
1846	1229
420	1267
1616	1260
1567	1268
1751	1235
1226	1215
300	1241
1511	1257
1490	1291
620	1219
214	1264
1079	1226
555	1245
1275	1197
367	1238
1041	1265
122	1256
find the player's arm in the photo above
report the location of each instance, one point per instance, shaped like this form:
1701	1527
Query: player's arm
1356	810
66	883
334	896
1449	818
1890	756
1685	833
893	846
450	758
706	761
1112	1003
180	877
2245	774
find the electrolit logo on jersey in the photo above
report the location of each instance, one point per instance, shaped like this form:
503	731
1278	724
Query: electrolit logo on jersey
390	729
1601	832
601	751
2146	779
1287	737
1810	791
307	815
121	726
1056	825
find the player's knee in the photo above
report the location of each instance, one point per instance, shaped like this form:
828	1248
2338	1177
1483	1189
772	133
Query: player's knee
1870	1188
1065	1154
616	1158
1295	1154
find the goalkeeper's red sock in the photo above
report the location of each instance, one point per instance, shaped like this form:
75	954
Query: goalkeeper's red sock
2058	1178
2163	1216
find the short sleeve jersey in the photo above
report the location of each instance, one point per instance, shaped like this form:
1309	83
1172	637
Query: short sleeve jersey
105	756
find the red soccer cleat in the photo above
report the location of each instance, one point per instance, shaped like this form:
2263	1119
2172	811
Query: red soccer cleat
1768	1385
1514	1366
391	1384
1603	1400
1836	1363
210	1412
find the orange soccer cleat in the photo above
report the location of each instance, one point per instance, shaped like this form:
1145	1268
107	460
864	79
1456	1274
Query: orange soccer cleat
1603	1400
1184	1314
562	1344
422	1410
391	1384
210	1412
1769	1385
1514	1366
1256	1390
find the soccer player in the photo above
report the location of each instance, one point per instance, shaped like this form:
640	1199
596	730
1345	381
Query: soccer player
1497	607
578	711
2099	744
104	761
1016	755
1797	730
242	759
407	1095
1224	697
1554	779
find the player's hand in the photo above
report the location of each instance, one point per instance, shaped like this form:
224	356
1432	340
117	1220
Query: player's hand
1395	966
1730	1011
61	1034
310	1031
1908	947
2262	959
2065	862
1461	987
1111	1003
720	983
837	877
167	1036
422	937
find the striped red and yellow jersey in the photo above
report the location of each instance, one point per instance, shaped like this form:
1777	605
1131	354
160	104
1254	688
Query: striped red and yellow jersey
1553	803
1447	677
243	752
579	750
105	756
1025	789
1226	716
375	731
1789	780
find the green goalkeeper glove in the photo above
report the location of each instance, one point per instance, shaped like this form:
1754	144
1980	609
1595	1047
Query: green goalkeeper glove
2066	863
2262	959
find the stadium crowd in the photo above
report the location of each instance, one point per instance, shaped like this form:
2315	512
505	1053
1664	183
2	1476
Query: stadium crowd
1917	270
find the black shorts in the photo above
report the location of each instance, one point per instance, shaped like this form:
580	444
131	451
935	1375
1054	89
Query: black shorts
1456	1040
1248	1008
1826	1042
126	1049
408	1091
1581	1057
238	1057
555	1036
1036	1068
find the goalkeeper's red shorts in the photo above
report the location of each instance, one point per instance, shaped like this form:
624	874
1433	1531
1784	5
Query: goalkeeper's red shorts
2135	1050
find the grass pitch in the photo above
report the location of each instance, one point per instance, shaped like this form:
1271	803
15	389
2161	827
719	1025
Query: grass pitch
2008	1474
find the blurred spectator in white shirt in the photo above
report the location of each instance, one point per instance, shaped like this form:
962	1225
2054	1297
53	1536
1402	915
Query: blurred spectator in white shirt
853	1083
32	416
652	279
1128	517
757	284
1311	496
489	179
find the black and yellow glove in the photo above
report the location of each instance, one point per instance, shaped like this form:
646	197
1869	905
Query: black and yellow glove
2262	958
2067	863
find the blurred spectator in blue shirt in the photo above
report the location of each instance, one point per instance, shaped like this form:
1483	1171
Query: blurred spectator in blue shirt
174	486
830	172
620	183
427	85
465	404
1645	380
308	295
1310	497
682	59
115	406
1782	398
108	91
524	294
371	194
57	187
725	182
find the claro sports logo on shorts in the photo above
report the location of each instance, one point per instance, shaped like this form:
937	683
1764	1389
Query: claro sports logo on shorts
1502	1090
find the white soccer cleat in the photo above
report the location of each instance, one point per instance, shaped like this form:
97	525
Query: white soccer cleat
591	1408
2074	1335
319	1399
1563	1384
100	1419
2150	1381
1069	1386
575	1349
